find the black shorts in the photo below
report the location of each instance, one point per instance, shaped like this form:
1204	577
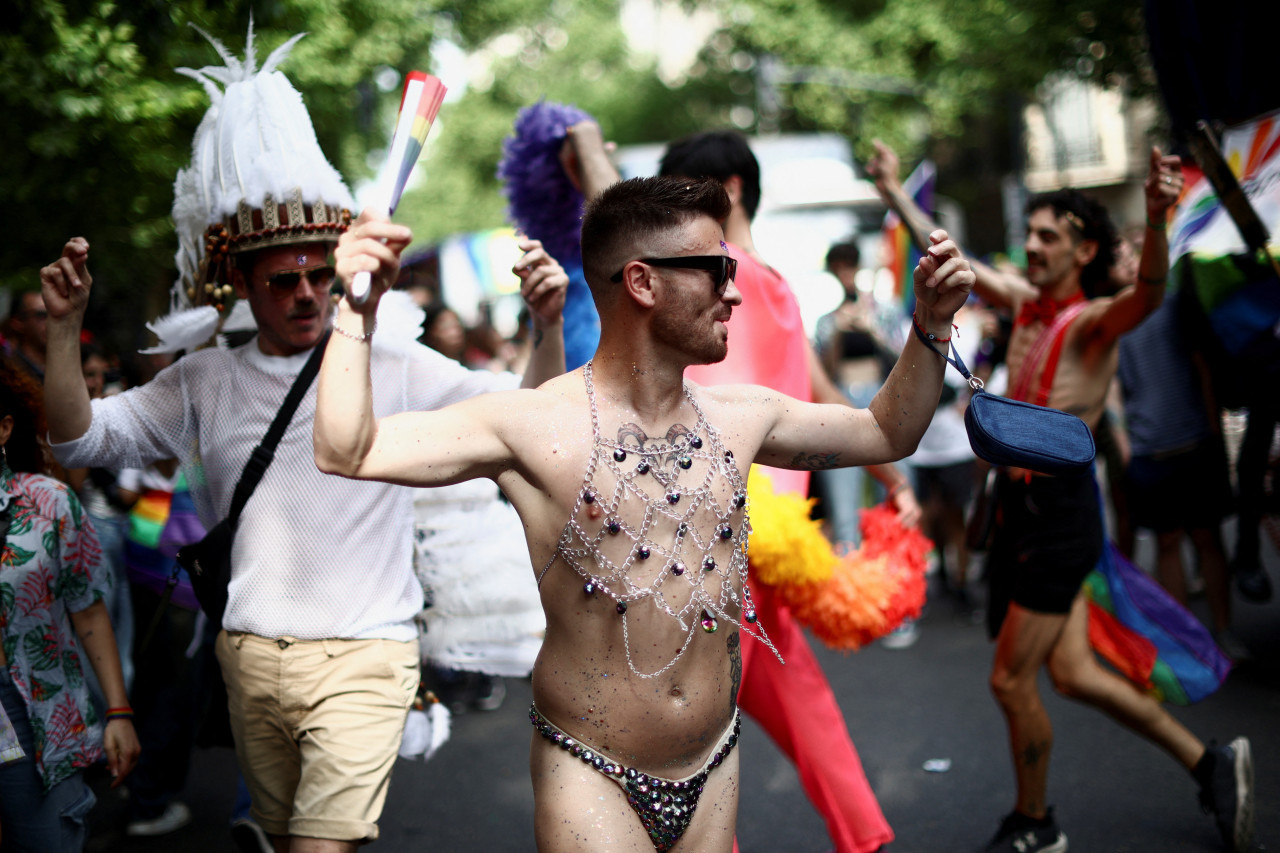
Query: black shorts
952	484
1186	491
1048	538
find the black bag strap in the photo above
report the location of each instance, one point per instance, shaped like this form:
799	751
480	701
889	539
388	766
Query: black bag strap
957	362
266	451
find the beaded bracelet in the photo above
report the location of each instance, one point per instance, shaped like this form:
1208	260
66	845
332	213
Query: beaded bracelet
125	713
360	339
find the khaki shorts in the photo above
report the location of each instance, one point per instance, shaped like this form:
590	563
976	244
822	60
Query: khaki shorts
317	724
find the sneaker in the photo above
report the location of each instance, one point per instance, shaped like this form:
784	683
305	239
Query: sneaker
1228	793
1021	834
249	837
175	816
902	637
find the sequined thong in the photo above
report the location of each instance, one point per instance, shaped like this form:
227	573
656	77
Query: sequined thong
665	806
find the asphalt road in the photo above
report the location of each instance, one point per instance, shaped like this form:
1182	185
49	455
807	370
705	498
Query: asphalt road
1114	793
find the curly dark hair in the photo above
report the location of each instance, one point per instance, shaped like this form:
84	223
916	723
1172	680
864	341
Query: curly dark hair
21	398
718	154
1090	221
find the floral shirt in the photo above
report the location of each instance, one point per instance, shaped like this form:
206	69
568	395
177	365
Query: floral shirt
50	568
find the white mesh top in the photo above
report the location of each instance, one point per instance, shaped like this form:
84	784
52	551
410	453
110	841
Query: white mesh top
315	556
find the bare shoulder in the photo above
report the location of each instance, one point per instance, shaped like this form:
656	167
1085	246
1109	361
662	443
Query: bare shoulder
745	406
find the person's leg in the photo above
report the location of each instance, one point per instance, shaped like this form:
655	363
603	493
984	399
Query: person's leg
795	706
1077	675
352	698
1169	568
1212	558
1025	641
33	821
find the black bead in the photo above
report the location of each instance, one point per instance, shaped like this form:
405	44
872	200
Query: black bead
643	552
619	455
588	497
673	497
643	467
751	616
726	532
695	443
708	563
677	569
589	588
614	526
622	607
685	462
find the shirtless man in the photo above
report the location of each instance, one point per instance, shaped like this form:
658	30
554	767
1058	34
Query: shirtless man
1049	533
631	486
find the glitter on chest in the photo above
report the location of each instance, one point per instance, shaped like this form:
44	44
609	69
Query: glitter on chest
647	513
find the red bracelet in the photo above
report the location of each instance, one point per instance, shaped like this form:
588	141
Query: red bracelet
125	713
929	335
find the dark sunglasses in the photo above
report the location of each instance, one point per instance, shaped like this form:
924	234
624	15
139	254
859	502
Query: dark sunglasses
722	267
284	283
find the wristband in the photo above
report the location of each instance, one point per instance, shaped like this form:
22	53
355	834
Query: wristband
125	713
1157	225
929	335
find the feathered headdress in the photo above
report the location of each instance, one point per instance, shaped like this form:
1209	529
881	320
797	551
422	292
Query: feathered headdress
257	178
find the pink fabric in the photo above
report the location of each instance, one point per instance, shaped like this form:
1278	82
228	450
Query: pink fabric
767	346
793	703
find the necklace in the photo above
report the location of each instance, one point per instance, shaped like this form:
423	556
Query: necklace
688	533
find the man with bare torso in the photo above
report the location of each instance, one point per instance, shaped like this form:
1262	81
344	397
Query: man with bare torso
1063	353
631	487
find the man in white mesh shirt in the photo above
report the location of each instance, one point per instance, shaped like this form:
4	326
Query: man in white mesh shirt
318	647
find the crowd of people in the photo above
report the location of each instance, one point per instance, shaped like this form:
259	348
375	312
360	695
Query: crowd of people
583	522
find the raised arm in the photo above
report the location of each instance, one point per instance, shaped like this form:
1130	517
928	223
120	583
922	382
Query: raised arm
543	284
996	288
1134	303
414	448
833	436
585	157
65	285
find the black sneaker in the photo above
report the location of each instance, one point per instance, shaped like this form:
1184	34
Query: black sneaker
1228	793
1021	834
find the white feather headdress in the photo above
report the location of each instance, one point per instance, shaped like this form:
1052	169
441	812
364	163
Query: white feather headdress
257	178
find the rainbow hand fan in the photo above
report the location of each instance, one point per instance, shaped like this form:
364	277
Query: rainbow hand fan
419	104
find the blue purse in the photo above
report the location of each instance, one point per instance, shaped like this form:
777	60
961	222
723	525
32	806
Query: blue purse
1019	434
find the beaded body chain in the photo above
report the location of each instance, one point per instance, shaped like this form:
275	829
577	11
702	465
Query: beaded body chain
665	558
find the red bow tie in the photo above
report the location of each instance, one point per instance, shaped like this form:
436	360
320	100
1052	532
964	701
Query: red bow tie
1044	310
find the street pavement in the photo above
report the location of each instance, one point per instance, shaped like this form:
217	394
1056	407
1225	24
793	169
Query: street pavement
1113	792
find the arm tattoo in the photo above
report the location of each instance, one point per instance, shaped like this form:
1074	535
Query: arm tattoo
537	338
816	461
735	669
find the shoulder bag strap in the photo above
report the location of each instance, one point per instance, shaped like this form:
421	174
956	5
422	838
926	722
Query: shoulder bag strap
1051	362
266	451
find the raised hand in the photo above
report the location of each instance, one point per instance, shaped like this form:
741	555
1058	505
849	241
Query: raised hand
943	280
543	283
66	282
372	244
1163	185
883	168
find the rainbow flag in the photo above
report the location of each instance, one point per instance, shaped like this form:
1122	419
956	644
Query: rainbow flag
419	104
1201	225
902	253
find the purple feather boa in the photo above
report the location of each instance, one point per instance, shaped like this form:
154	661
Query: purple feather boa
542	201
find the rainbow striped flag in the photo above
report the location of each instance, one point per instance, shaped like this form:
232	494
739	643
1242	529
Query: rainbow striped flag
1201	226
899	249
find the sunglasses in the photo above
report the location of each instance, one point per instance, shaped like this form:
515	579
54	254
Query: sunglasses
722	268
284	283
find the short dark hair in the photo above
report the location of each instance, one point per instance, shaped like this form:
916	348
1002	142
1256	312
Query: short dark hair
843	254
718	154
21	398
1090	221
622	223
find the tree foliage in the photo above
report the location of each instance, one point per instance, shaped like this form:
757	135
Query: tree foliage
99	123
